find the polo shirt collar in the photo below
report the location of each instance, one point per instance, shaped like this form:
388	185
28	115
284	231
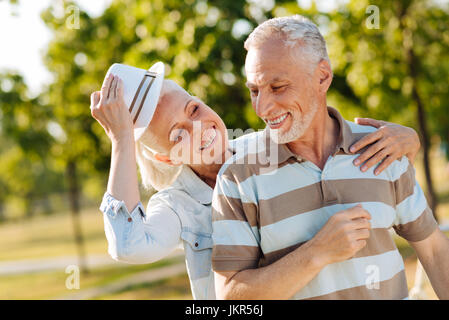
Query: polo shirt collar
346	139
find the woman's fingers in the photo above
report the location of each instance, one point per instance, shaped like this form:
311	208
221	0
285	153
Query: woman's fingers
105	88
369	122
375	143
113	88
94	99
120	88
377	158
385	163
366	140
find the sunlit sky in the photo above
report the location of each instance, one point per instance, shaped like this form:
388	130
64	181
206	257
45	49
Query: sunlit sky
24	37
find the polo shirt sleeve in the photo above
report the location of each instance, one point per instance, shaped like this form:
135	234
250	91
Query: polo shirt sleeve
414	218
235	233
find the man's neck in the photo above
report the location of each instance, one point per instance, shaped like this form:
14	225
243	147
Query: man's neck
320	139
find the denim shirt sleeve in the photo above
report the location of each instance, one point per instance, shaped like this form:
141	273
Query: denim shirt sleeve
140	237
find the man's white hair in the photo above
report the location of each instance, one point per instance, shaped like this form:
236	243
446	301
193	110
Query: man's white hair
293	30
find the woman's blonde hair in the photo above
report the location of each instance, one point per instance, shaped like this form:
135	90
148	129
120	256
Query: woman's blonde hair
155	174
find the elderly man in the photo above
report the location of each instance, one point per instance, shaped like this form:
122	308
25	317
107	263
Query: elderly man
310	225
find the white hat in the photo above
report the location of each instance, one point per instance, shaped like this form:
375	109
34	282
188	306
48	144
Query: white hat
141	92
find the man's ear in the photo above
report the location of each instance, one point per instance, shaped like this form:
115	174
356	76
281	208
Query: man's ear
165	159
325	75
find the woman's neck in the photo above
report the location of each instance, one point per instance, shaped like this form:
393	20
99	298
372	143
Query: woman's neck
208	172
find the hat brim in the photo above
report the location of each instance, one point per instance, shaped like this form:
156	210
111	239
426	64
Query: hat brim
151	98
141	92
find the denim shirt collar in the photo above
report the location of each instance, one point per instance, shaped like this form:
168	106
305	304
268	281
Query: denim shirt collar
194	186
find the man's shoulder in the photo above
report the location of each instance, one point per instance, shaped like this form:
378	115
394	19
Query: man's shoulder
247	149
358	129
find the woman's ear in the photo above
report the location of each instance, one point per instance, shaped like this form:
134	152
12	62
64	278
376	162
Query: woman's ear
165	159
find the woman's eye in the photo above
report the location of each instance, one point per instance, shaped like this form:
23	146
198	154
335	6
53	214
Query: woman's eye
176	137
254	92
195	109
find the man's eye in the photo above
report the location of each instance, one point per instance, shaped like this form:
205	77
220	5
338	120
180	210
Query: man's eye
195	109
254	92
277	88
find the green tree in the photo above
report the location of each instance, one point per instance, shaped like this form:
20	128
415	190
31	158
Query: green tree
25	171
397	71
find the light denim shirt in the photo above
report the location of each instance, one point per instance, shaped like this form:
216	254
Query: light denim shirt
175	216
179	215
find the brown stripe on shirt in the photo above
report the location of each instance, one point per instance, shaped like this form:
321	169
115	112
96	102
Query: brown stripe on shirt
393	288
419	229
227	208
341	191
310	197
224	257
244	170
405	185
379	242
238	252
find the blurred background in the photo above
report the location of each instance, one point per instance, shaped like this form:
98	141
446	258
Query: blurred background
390	61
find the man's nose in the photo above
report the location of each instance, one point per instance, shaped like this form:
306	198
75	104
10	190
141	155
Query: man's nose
264	104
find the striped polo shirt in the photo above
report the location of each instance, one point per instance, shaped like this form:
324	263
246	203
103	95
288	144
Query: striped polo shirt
267	207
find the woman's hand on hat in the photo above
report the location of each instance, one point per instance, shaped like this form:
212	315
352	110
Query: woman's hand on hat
109	109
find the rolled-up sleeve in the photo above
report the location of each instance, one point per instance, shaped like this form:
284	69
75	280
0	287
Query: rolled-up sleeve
139	236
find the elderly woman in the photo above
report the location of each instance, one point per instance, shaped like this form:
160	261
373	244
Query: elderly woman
179	214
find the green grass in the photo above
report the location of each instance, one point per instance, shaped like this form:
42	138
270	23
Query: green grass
51	236
51	285
167	289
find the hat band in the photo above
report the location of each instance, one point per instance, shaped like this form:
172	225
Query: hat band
141	93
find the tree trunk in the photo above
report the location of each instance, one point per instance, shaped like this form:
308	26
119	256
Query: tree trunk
29	205
2	211
413	62
46	205
74	196
425	141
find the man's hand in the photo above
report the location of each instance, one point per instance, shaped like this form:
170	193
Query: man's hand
343	235
390	142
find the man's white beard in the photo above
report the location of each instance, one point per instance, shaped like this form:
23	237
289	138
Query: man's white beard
297	129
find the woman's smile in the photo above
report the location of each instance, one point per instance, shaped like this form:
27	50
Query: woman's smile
208	138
